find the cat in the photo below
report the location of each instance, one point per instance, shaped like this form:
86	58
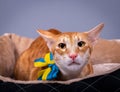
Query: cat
24	65
71	51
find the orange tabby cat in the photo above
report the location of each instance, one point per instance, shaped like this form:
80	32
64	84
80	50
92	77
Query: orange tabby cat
71	52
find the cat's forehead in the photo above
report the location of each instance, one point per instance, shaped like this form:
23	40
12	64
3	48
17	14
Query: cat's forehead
71	36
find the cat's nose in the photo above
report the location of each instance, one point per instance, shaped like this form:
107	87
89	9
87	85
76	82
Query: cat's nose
73	56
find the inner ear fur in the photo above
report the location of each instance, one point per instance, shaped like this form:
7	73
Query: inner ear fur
94	33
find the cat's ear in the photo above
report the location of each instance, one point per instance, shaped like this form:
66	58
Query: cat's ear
94	33
48	37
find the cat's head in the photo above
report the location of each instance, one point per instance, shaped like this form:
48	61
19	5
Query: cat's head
71	49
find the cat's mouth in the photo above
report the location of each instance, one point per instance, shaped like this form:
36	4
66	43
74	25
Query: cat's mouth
73	63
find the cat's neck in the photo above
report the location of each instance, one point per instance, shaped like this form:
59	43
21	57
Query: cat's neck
67	75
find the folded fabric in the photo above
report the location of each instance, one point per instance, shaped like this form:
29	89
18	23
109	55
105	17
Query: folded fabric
51	71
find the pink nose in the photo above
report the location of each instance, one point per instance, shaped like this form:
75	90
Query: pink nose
73	56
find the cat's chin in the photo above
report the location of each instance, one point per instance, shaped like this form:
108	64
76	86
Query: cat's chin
74	63
73	67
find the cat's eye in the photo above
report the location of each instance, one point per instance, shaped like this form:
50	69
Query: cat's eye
81	43
62	45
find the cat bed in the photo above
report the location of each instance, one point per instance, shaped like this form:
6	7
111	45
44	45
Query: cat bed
106	63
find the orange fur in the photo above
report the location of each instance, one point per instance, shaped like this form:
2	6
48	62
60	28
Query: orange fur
24	65
24	69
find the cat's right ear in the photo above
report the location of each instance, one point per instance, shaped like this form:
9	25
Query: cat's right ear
48	37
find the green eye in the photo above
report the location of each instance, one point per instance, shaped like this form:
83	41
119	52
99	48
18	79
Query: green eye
81	43
62	45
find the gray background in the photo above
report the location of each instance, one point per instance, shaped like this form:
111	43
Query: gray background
24	17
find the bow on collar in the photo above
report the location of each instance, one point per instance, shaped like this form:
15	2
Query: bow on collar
51	71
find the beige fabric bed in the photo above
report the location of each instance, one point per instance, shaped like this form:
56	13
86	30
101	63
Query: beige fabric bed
105	57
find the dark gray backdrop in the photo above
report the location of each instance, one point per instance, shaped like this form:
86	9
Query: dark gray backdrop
24	17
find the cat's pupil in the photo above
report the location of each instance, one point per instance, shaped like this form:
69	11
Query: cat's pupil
62	45
81	43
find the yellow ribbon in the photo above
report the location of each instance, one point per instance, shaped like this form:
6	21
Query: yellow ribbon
43	62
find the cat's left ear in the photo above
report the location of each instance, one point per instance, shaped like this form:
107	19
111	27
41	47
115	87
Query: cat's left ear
48	37
94	33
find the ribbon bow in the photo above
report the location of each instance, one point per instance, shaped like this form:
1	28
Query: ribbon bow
51	71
